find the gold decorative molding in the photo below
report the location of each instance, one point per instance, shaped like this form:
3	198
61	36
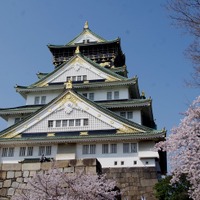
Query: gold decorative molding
68	84
83	133
126	129
77	51
50	134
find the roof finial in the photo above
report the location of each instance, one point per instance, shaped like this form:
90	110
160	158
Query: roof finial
77	50
68	84
143	95
86	25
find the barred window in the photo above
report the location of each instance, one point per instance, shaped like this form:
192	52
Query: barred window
116	94
4	152
109	95
77	122
134	148
29	151
41	151
113	148
78	78
43	99
50	123
129	115
126	148
85	122
104	148
58	123
71	122
64	123
11	152
22	151
85	149
91	96
37	100
48	150
92	149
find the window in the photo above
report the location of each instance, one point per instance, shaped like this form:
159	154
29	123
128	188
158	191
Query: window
92	149
37	100
89	149
116	94
50	123
135	162
85	122
17	119
85	149
22	151
84	77
73	78
58	123
133	147
91	96
4	152
78	78
104	148
44	150
115	162
109	95
123	114
43	99
41	151
129	115
11	152
48	150
77	122
113	148
126	148
122	162
29	151
64	123
71	122
68	78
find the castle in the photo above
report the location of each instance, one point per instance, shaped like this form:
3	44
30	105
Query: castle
86	107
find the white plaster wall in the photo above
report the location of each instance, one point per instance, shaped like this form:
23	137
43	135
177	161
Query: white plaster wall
78	70
136	115
16	158
108	160
94	122
101	95
49	96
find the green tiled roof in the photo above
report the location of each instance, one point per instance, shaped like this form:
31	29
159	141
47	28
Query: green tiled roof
106	111
126	103
87	60
20	109
88	138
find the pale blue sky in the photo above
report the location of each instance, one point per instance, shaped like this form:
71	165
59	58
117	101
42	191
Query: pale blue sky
153	48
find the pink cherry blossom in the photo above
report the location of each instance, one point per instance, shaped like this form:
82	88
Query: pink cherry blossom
183	148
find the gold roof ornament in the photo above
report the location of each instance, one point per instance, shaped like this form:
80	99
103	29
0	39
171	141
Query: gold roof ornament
77	51
143	95
86	25
68	84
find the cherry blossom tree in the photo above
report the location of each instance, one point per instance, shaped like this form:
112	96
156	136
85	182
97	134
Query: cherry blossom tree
185	14
183	147
56	185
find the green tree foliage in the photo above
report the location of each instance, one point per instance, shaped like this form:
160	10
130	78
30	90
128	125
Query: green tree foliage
164	190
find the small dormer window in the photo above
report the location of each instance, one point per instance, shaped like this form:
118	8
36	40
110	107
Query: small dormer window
37	100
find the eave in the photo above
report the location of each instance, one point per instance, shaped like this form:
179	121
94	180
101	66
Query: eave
68	46
153	135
